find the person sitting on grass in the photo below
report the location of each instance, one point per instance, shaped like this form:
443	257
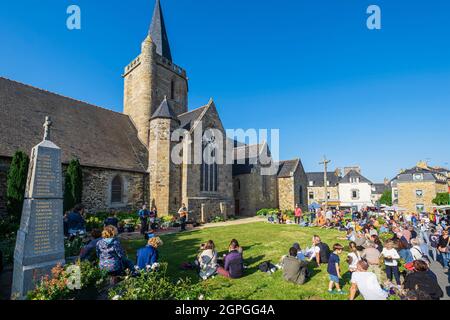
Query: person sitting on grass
421	280
294	270
88	252
207	260
321	251
333	269
111	255
353	257
147	257
366	283
279	217
300	254
233	262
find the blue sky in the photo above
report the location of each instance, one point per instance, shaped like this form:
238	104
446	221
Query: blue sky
379	99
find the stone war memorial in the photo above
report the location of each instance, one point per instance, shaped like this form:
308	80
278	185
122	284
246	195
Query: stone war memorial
40	239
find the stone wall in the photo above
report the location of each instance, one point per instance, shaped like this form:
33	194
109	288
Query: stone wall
96	188
253	192
165	176
408	199
147	80
286	199
301	187
138	93
319	194
212	208
191	187
165	76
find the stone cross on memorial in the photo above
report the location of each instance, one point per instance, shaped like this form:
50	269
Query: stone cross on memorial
40	239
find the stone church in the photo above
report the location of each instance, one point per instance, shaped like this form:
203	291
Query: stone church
126	157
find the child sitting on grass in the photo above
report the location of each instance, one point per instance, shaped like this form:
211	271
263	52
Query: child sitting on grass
333	269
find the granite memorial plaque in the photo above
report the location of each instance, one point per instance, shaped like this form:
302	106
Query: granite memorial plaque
40	239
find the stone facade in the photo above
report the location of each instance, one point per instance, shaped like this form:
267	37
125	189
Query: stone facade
165	175
409	199
96	188
97	184
254	191
293	190
317	194
192	195
147	80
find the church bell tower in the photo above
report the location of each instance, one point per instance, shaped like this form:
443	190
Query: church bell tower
151	77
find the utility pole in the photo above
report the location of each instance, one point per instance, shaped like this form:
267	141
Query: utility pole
325	163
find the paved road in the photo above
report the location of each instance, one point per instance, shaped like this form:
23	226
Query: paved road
443	279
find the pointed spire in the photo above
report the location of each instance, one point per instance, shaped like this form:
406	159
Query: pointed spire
158	33
164	111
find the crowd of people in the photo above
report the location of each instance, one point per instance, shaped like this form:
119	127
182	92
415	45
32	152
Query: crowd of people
410	243
386	253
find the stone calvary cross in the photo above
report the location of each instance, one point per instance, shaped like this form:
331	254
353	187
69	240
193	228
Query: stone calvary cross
40	239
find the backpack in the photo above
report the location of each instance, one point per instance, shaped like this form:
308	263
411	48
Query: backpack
265	266
324	252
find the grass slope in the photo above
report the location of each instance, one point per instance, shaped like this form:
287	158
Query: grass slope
261	242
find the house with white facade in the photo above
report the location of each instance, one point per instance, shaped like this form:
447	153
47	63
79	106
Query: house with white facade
355	190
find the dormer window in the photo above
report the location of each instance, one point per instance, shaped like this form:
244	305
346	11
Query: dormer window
311	183
418	177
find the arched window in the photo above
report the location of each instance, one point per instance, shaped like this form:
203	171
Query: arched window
209	170
116	190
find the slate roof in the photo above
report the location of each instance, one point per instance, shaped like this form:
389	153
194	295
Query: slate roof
97	136
187	119
317	178
159	34
379	188
429	174
354	174
287	168
248	153
164	111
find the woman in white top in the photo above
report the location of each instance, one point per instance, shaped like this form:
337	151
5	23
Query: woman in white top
207	260
391	257
353	257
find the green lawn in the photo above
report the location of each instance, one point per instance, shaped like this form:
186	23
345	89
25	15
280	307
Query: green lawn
261	242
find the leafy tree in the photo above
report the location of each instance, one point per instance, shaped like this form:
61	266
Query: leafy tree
442	199
15	185
386	198
73	186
